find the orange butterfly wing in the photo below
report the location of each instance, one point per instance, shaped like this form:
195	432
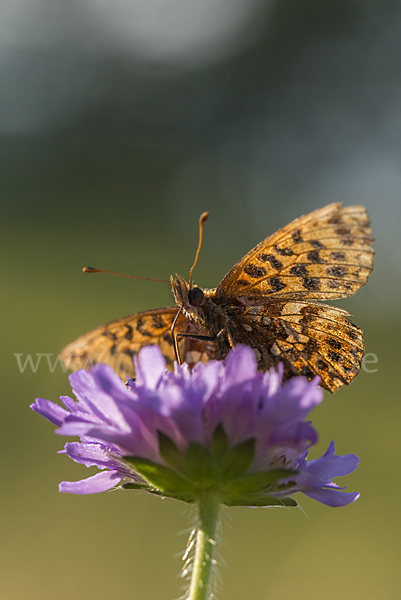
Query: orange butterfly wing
323	255
117	342
307	337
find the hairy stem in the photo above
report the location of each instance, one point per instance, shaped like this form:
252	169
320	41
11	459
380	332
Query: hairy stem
208	509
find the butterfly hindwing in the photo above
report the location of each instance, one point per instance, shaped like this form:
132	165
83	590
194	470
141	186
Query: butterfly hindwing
308	338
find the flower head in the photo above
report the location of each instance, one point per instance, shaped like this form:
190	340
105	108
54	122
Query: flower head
223	427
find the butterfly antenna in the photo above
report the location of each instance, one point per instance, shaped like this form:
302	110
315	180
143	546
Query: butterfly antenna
93	270
202	220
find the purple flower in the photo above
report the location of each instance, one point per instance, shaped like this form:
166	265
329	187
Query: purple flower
224	426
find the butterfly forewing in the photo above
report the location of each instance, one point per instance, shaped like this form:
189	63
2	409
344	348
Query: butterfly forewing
117	342
323	255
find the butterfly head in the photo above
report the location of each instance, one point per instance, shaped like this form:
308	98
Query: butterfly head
190	299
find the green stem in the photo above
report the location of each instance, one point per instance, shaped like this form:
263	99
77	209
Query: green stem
208	507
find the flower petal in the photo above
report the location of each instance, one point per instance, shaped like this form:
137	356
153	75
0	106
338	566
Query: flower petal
331	465
150	368
101	482
334	498
240	366
90	454
51	411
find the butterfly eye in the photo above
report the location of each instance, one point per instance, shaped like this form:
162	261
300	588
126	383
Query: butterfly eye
196	296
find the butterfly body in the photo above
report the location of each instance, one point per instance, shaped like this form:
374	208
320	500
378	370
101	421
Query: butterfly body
203	311
268	301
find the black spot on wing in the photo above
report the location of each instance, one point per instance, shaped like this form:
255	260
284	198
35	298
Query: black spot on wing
353	335
275	263
336	219
337	271
347	241
338	256
334	343
283	251
307	372
254	271
129	333
112	336
129	352
296	236
299	271
316	244
334	356
168	338
158	322
314	257
276	284
343	231
140	325
311	283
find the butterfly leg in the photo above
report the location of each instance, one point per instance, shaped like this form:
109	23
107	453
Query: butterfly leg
196	336
175	338
227	332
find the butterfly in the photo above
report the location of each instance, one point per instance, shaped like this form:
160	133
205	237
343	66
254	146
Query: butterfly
269	301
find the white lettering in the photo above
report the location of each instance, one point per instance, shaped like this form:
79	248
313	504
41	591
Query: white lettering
373	360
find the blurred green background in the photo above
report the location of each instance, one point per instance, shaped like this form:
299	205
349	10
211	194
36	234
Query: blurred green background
120	123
